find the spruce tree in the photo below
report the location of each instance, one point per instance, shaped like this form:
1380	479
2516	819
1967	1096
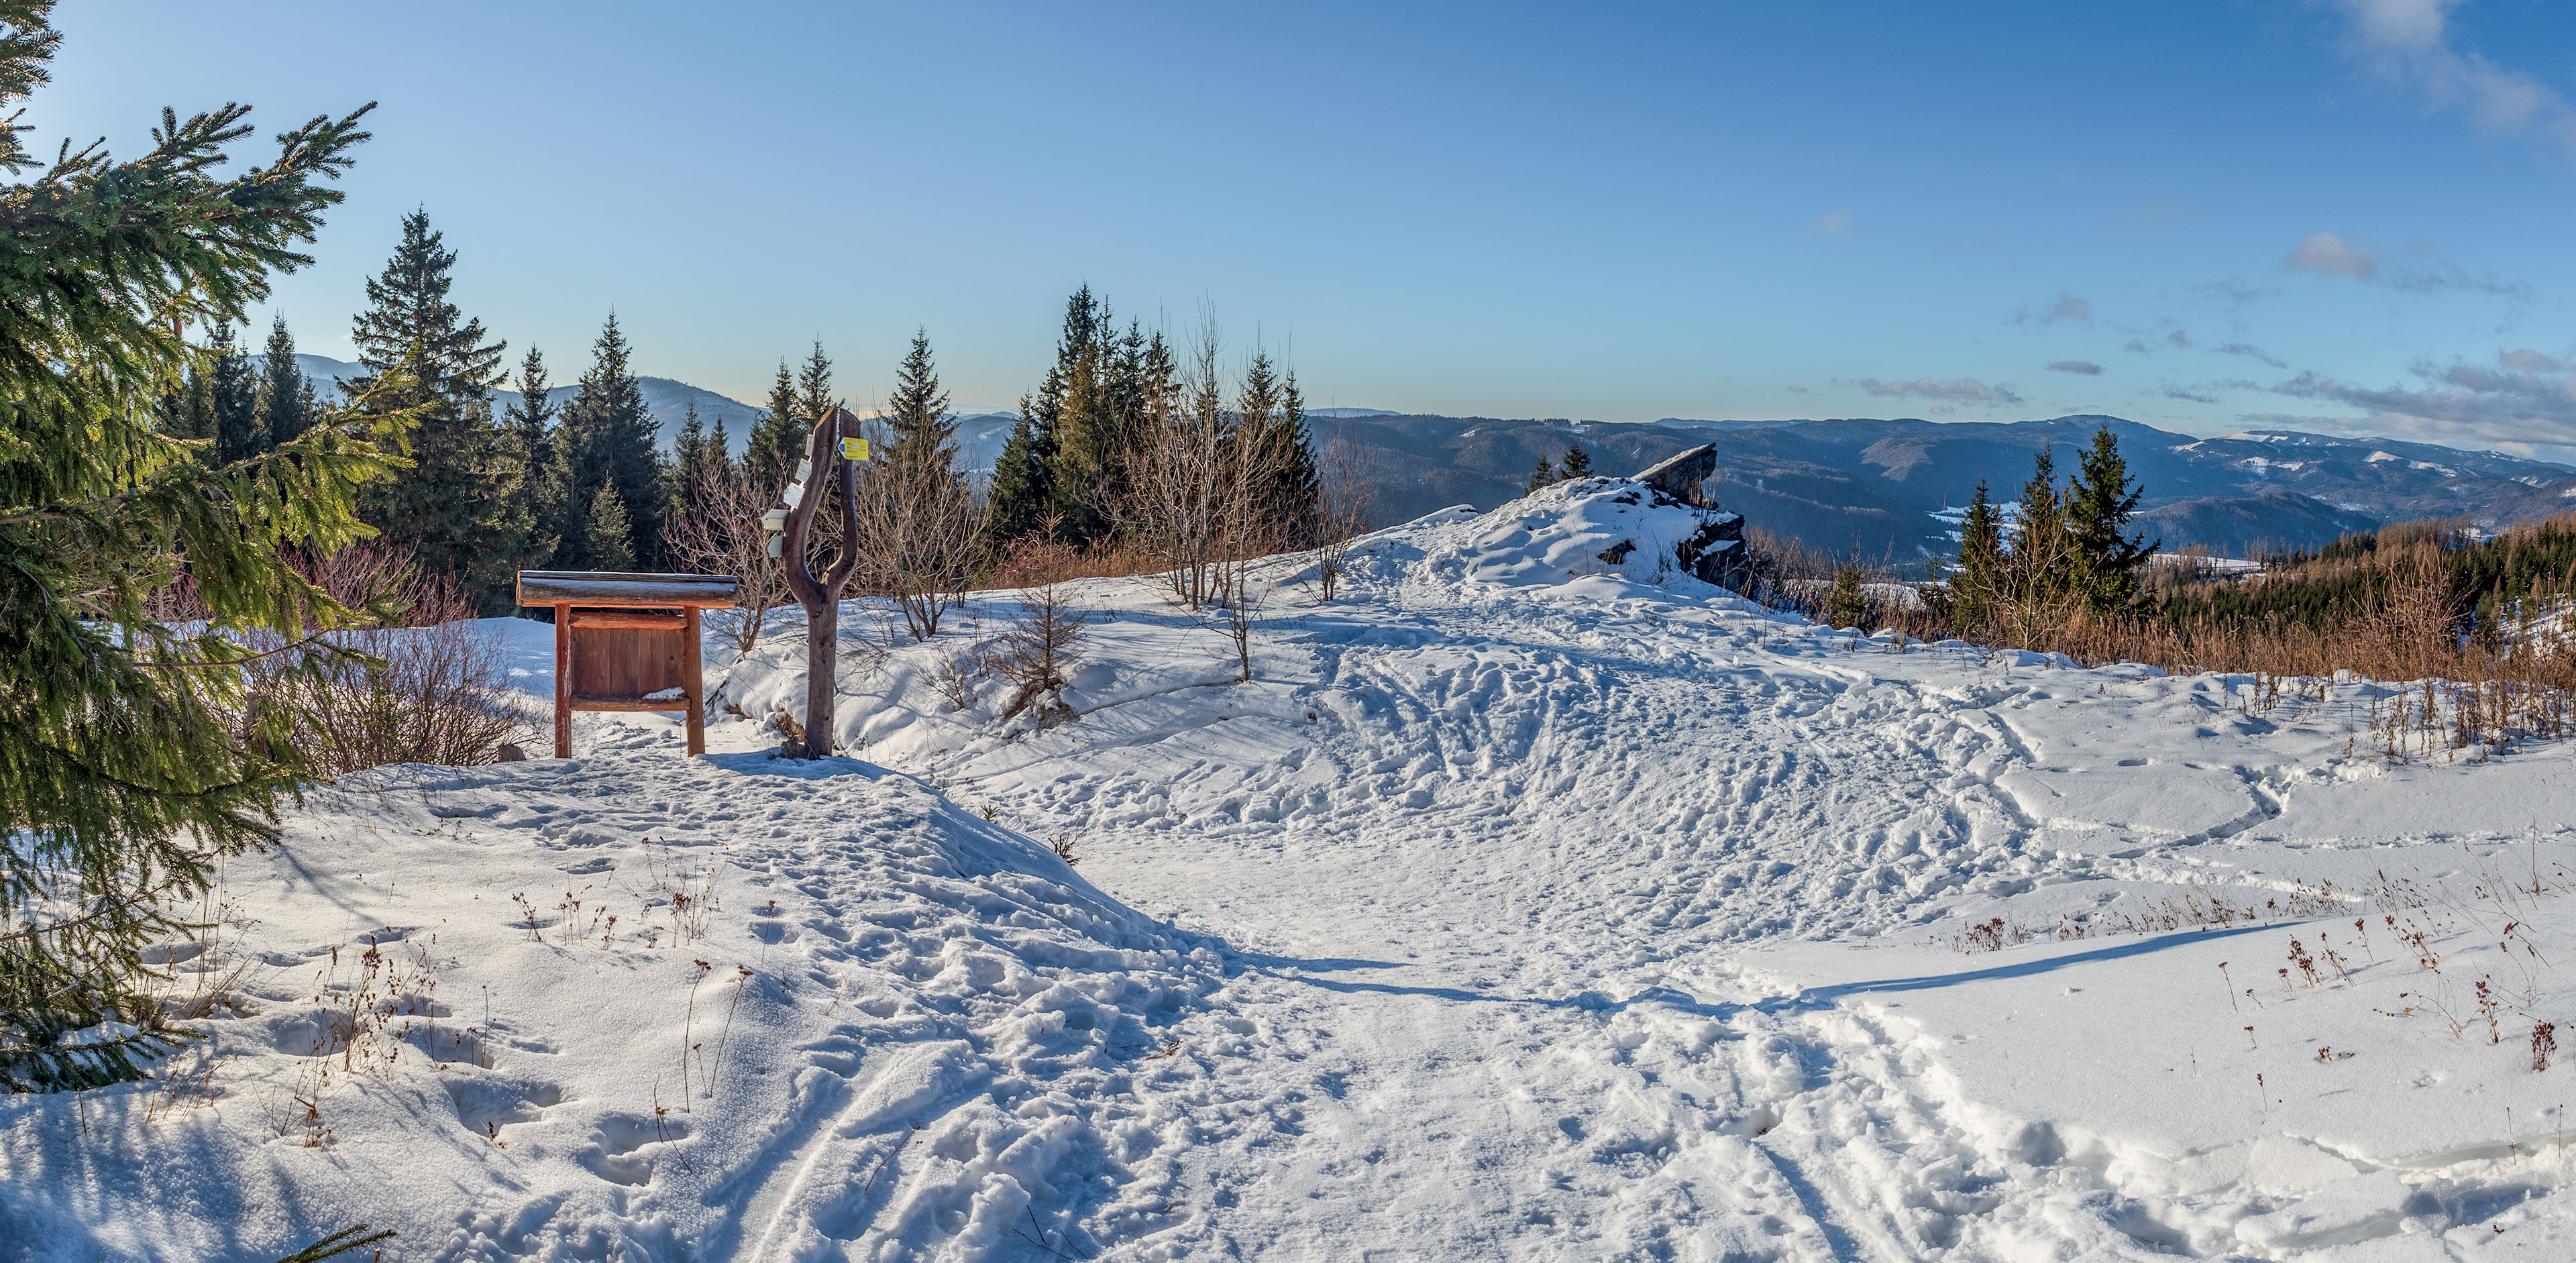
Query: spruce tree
1023	487
234	391
2036	569
1542	476
527	462
689	447
921	438
1029	493
1980	565
189	412
777	440
1848	603
813	391
1300	479
451	508
1090	472
285	404
1271	420
610	544
1578	463
608	437
121	784
2099	502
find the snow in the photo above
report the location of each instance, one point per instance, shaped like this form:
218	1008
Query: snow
1524	905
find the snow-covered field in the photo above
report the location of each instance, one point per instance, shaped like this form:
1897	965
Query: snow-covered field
1523	907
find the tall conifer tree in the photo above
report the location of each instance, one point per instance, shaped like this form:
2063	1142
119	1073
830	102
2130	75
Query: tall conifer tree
608	437
2036	567
2099	501
234	390
450	508
1030	491
285	405
1980	565
527	460
777	440
921	438
610	544
120	786
813	390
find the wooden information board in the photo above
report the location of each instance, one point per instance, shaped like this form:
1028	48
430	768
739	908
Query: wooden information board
627	642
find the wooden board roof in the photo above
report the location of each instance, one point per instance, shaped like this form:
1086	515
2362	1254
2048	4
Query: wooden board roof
622	590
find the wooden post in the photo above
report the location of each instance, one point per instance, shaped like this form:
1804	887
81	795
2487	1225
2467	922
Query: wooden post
563	681
820	595
693	681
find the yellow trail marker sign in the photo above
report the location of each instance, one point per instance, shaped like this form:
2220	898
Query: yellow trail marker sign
854	449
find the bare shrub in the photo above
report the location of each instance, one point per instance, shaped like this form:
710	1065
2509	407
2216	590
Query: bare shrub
1348	492
427	685
955	675
920	530
724	536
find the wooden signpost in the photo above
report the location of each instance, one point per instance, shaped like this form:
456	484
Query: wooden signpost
836	443
627	642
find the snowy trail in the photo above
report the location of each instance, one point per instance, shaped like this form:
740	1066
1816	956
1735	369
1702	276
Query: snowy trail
1512	912
1485	896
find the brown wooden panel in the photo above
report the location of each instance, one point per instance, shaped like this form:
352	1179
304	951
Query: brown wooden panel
626	661
598	701
648	622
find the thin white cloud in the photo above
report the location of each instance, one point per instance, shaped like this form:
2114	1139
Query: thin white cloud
2068	308
2416	268
2409	42
2252	352
2331	254
2529	398
1834	222
2233	293
2085	368
1954	390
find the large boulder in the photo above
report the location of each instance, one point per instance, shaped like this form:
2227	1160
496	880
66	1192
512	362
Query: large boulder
1680	477
1715	552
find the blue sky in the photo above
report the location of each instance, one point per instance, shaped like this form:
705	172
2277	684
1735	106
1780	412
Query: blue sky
2337	215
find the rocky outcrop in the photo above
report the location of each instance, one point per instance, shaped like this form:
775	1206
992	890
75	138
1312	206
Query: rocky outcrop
1715	553
1680	477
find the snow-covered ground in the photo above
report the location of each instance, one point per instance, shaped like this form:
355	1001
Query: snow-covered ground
1524	906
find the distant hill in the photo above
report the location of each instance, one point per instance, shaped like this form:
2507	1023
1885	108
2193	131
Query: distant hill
669	400
1875	484
1872	485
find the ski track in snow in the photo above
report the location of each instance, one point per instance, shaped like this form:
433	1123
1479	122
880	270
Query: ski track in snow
1492	921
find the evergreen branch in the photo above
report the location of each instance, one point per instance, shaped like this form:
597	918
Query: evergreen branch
336	1244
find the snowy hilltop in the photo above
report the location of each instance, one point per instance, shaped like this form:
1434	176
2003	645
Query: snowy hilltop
1533	900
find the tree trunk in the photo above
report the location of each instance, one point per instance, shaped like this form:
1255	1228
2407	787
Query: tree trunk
822	669
820	595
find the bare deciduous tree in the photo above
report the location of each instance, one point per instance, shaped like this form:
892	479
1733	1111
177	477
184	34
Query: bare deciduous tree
921	529
1347	493
724	536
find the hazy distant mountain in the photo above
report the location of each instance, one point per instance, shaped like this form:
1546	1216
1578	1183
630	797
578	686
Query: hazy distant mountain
1866	484
669	400
1873	485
